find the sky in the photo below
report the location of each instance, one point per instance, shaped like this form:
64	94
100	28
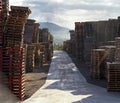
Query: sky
66	12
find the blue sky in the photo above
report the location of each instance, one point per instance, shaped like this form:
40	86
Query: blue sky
66	12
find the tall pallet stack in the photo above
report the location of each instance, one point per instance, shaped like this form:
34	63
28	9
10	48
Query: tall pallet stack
13	51
79	40
1	38
114	69
15	26
98	64
110	56
5	9
117	53
45	53
30	58
46	39
39	55
113	76
72	42
13	63
1	23
89	44
29	31
36	33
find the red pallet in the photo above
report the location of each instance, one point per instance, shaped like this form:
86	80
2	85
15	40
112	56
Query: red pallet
13	67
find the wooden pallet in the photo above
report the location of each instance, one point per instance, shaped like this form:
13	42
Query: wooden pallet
113	77
97	63
13	67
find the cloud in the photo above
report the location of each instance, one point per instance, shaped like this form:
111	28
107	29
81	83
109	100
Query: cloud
16	2
66	13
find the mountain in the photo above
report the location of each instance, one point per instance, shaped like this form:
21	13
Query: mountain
59	33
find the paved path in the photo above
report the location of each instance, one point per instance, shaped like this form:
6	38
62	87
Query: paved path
65	84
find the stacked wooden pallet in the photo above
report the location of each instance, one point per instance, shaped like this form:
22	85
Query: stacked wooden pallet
113	77
97	63
89	44
36	33
13	52
114	69
13	68
39	54
117	52
29	31
1	22
110	56
30	58
5	6
111	52
14	27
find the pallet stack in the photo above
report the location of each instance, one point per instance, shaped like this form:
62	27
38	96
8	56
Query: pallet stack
79	40
13	63
39	55
29	31
89	44
15	26
98	64
30	58
114	69
117	52
73	42
13	51
113	76
5	6
111	52
46	40
1	23
36	33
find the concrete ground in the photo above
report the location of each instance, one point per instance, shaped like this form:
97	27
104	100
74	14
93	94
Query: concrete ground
65	84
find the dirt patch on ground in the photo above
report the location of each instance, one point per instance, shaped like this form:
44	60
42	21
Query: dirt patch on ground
35	80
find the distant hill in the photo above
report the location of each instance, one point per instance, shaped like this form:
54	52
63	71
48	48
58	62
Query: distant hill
60	33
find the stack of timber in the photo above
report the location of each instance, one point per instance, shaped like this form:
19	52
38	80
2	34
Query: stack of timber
13	51
98	63
113	76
